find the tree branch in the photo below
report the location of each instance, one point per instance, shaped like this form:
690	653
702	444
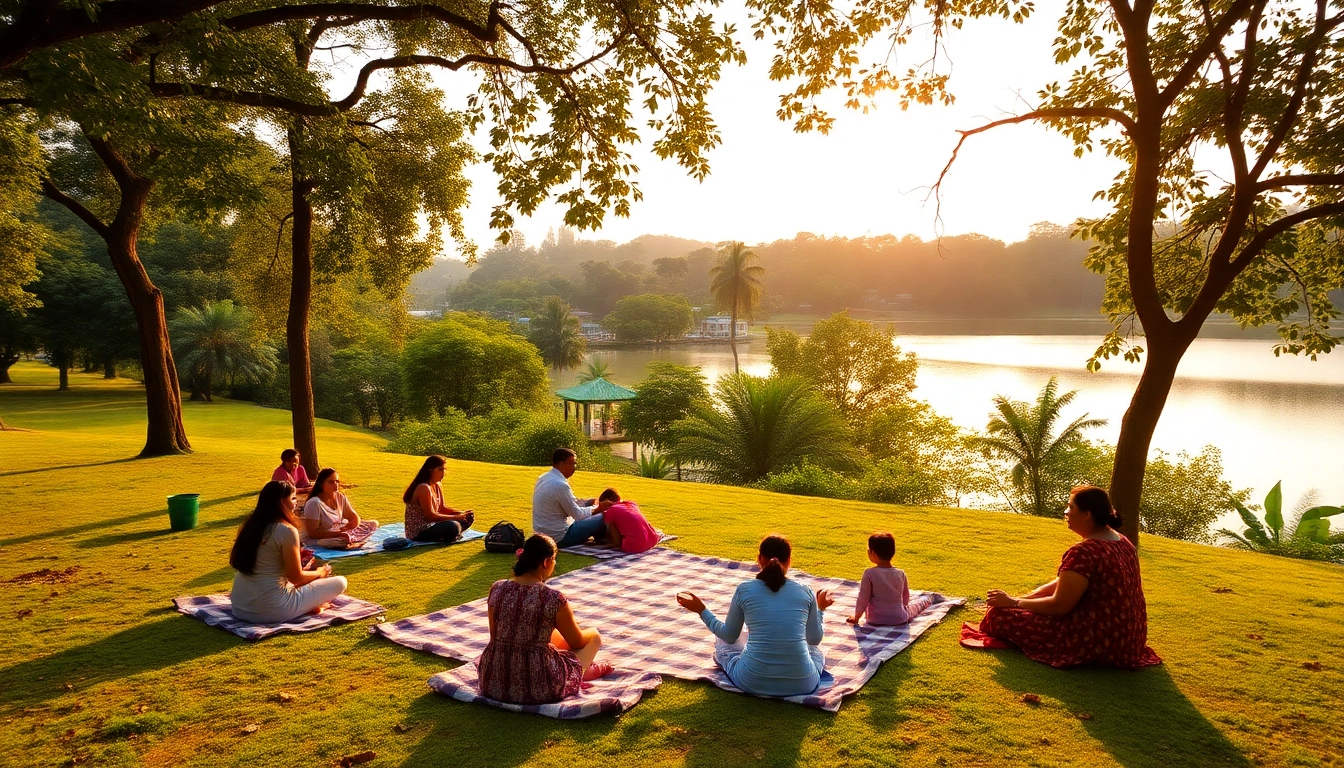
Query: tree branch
1290	112
40	25
1206	48
1300	180
50	190
487	32
1278	227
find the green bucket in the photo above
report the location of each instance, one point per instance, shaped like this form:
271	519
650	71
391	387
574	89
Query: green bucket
182	509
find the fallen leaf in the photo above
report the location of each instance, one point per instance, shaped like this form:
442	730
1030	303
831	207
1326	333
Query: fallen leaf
1045	742
284	697
1314	666
1221	590
357	758
1084	715
401	727
1254	636
251	728
24	613
141	708
1031	698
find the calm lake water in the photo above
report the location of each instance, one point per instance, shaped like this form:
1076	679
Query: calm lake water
1273	418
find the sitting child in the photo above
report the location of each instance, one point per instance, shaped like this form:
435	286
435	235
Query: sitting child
292	472
626	526
884	593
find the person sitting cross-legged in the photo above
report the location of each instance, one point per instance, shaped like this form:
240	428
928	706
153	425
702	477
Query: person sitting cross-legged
328	518
292	472
555	510
427	517
270	584
538	653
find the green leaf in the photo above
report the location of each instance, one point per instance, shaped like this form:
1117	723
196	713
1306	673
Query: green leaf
1274	508
1313	530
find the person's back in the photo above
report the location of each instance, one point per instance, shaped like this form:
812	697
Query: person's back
888	595
263	590
777	661
637	535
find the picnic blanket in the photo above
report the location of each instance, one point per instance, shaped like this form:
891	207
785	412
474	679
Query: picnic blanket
607	552
632	602
214	610
609	695
375	542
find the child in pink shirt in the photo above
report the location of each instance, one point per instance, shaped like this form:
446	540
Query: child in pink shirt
291	471
884	593
626	526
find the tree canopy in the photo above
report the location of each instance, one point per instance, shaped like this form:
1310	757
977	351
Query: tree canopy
473	364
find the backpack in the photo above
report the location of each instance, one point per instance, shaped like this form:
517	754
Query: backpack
504	537
396	543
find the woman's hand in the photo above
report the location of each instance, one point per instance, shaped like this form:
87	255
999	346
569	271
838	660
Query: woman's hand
690	602
997	598
824	600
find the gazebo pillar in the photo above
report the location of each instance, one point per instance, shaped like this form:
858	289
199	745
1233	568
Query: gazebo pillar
587	420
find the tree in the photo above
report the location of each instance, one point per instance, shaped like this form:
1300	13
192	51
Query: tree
556	333
594	369
736	286
219	339
937	462
371	382
1255	81
649	317
64	317
757	426
473	364
667	395
1025	435
855	365
18	335
22	240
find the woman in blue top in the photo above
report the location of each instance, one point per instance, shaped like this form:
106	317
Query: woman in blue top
783	619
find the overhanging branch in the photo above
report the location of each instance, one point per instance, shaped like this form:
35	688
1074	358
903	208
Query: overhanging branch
1280	226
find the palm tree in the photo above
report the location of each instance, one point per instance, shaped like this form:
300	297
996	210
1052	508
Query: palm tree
1025	434
595	369
556	333
218	337
736	285
758	426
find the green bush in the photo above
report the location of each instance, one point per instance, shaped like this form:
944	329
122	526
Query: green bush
893	482
502	436
808	479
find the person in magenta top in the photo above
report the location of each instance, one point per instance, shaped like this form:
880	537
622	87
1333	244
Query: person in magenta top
291	471
884	593
626	526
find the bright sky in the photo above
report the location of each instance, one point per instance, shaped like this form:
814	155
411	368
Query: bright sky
870	175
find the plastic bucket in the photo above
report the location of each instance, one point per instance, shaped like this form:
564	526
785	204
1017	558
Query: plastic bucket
182	509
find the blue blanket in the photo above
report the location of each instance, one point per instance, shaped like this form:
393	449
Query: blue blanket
375	542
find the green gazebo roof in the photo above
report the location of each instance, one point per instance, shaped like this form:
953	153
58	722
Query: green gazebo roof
597	391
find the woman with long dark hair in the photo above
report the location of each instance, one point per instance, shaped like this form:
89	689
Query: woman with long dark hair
538	653
1093	612
783	619
427	517
329	520
270	584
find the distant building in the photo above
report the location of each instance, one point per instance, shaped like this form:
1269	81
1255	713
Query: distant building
594	332
721	327
426	314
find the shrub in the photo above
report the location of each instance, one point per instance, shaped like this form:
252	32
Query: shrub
808	479
502	436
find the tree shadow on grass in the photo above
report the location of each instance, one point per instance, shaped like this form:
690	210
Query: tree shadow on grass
38	470
102	523
1141	718
142	648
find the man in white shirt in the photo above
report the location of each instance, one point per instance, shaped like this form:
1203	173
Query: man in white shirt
556	512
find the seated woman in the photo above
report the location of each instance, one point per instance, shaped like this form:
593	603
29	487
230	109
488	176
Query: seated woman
783	618
328	518
427	517
537	652
1094	612
626	526
270	584
292	472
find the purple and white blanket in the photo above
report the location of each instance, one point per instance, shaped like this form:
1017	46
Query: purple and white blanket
632	602
605	552
214	610
609	695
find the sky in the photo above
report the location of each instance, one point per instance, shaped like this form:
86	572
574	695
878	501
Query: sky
871	175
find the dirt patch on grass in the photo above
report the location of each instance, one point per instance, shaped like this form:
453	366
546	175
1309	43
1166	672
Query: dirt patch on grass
46	576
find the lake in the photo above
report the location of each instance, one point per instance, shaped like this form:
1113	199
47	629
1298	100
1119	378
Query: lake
1273	418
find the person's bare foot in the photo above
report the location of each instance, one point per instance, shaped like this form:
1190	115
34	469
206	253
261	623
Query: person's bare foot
597	669
319	609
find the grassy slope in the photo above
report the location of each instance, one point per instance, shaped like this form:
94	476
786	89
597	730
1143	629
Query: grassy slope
104	655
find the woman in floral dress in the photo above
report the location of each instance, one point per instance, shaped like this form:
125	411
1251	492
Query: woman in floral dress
1094	612
537	652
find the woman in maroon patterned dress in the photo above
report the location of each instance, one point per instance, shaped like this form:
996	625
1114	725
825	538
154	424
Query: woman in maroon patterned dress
1094	612
537	652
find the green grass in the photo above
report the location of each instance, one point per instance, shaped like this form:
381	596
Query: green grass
102	671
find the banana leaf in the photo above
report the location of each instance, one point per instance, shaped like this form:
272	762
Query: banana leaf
1274	509
1314	527
1255	532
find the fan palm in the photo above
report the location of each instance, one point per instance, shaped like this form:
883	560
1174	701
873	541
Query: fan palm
556	332
1025	434
736	285
218	338
593	370
757	426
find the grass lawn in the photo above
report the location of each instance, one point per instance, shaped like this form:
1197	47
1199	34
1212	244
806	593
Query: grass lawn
98	669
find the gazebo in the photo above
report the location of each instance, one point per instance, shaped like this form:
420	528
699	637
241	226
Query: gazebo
601	392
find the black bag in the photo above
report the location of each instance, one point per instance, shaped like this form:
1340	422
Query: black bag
504	537
396	543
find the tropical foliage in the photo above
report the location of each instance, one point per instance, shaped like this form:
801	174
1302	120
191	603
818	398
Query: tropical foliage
649	317
1041	457
668	394
757	426
736	285
219	339
473	364
1308	535
556	332
596	368
502	436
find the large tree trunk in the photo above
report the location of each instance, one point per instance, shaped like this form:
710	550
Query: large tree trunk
300	302
110	368
6	360
1136	432
64	377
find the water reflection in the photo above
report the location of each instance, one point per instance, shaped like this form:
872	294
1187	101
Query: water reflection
1274	418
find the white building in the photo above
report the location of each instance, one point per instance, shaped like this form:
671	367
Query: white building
721	327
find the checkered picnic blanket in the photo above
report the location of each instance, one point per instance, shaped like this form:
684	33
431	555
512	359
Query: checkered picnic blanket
375	542
214	610
609	695
604	552
632	601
